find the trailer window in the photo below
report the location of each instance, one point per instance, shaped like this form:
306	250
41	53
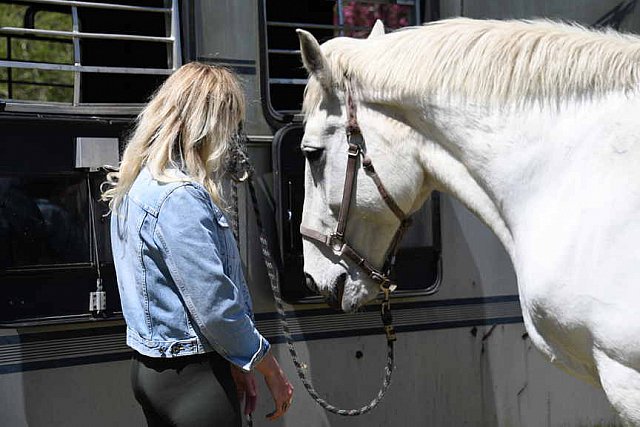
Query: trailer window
85	56
54	246
283	78
54	236
33	84
42	221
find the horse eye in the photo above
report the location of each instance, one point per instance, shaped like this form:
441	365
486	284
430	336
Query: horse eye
312	153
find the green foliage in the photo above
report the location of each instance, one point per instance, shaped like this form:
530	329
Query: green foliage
31	84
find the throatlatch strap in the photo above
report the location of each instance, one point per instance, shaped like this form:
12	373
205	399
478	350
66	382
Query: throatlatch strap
368	166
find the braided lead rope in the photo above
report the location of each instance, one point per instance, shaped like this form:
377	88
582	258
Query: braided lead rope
236	234
235	223
275	287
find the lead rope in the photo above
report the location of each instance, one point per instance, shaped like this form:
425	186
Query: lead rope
275	287
385	310
235	227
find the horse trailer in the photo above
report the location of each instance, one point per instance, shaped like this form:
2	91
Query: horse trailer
73	77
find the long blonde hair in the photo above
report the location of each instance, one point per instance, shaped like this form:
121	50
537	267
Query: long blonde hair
187	125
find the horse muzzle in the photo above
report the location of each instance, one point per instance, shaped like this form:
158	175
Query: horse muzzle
333	294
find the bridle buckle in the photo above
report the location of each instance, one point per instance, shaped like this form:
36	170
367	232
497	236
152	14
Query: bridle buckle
385	312
336	243
354	149
386	285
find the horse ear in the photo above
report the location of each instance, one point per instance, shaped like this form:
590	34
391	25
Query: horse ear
377	30
313	59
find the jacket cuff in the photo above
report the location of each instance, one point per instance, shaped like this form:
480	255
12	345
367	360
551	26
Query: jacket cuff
258	356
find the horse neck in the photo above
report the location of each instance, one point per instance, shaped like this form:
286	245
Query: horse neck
518	169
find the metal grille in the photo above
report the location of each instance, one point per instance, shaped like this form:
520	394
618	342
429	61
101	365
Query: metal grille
76	37
285	78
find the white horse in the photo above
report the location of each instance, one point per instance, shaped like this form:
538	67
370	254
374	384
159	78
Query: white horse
535	127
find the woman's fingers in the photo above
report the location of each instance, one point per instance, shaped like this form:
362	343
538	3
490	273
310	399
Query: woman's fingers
245	387
249	404
286	405
238	379
279	387
251	395
282	393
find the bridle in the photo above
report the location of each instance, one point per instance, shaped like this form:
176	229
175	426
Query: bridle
337	241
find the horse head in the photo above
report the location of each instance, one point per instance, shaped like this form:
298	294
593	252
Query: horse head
382	137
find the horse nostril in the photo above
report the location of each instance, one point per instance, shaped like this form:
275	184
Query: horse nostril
311	284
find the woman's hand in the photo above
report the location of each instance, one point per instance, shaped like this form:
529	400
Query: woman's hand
245	387
279	387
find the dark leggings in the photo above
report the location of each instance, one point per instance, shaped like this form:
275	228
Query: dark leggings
186	391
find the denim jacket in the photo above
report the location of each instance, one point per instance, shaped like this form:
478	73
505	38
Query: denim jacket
179	274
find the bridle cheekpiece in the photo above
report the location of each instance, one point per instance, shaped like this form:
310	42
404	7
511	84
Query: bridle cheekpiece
337	241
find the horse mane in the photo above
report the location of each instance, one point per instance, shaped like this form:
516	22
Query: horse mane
505	62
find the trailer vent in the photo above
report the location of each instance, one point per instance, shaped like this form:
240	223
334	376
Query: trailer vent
283	78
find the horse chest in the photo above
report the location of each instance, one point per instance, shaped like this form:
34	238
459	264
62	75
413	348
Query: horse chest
556	326
580	294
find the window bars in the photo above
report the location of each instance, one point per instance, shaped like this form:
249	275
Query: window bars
76	36
325	19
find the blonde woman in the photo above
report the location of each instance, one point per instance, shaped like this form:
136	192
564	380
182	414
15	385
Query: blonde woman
186	304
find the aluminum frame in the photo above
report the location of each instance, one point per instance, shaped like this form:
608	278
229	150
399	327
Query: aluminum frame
172	41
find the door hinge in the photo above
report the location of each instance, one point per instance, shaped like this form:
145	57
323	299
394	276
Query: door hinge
97	301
